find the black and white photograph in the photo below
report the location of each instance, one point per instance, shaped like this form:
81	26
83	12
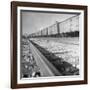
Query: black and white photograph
50	44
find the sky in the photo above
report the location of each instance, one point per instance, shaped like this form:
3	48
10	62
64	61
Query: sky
34	21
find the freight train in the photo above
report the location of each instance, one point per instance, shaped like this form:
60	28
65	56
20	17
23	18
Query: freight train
66	28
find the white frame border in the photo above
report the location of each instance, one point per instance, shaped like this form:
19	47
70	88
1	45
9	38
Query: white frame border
58	78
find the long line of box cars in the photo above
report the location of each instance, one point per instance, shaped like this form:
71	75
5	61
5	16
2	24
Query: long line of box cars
68	27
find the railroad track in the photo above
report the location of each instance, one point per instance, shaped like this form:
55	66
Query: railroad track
46	68
56	66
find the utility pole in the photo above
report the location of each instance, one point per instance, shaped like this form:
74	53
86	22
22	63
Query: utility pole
57	26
